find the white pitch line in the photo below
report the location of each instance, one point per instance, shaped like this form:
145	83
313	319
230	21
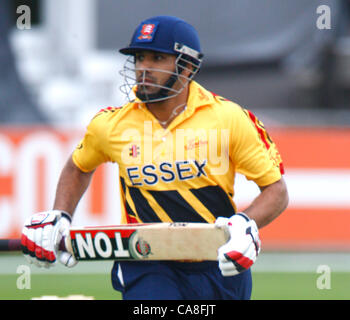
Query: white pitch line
266	262
9	264
302	261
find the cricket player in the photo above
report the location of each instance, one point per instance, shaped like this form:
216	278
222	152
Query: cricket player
178	147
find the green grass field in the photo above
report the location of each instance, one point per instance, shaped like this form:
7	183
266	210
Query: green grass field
93	280
267	286
299	286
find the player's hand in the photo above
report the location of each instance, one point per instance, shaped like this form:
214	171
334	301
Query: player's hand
41	236
243	247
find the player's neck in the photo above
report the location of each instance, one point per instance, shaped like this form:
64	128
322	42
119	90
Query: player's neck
167	110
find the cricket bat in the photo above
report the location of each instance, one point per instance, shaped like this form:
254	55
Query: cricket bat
147	241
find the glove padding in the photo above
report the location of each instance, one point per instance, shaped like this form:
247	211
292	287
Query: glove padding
243	247
41	236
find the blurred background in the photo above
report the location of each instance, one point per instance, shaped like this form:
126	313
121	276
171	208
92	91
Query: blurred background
268	56
287	61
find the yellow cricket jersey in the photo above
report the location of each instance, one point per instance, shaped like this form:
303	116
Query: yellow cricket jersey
186	172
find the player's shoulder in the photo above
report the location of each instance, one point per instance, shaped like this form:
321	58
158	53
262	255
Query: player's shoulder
107	112
105	119
226	106
110	113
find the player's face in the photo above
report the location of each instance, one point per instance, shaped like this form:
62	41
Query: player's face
153	69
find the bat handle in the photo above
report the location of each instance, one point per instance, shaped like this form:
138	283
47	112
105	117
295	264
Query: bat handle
62	245
15	245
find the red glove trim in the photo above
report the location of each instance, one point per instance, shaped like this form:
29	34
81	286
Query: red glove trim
239	260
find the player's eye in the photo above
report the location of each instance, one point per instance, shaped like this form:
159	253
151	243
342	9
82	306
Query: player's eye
158	57
139	57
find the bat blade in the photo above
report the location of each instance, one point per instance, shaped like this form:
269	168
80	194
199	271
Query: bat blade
154	241
148	241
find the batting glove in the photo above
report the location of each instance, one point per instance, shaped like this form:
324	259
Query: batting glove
243	247
41	236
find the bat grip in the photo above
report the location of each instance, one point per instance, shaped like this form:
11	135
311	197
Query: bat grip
15	245
62	245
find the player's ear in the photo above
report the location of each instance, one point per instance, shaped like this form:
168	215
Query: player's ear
188	66
187	69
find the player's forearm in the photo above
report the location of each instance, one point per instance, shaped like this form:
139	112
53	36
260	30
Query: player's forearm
71	186
270	203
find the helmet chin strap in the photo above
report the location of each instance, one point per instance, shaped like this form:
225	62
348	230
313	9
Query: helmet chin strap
162	93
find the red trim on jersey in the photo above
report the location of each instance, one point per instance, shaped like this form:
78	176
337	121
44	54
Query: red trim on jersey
216	95
109	109
263	137
131	219
260	131
281	167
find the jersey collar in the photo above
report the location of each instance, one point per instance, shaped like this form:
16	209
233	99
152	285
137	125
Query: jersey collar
197	97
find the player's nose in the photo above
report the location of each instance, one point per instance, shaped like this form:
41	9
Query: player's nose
144	75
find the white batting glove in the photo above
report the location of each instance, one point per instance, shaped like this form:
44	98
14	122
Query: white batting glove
243	247
41	235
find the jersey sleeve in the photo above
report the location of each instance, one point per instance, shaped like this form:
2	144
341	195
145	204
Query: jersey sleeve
91	151
254	153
